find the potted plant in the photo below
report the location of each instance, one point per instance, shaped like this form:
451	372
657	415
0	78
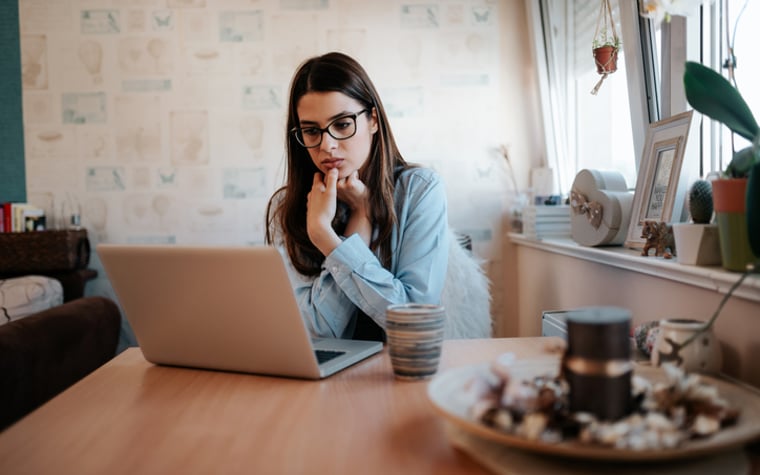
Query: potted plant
738	219
697	242
711	94
606	54
605	45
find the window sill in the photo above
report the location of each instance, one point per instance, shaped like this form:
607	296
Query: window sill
708	277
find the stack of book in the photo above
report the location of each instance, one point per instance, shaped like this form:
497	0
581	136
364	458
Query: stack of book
19	217
546	221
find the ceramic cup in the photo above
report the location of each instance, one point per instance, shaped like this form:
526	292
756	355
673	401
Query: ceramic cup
415	337
702	354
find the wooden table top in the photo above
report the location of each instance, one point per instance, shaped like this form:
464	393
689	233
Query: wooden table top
131	416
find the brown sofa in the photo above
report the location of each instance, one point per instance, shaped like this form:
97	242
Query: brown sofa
44	353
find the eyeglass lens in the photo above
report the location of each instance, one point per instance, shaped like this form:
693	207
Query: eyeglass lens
341	128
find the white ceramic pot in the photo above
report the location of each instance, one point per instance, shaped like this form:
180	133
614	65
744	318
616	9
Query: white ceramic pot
697	244
702	355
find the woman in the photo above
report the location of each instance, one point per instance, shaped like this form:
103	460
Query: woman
362	228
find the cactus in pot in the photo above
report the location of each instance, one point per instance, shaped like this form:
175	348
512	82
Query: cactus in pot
711	94
698	242
701	202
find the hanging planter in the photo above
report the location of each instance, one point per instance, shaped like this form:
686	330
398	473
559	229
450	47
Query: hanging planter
606	59
606	44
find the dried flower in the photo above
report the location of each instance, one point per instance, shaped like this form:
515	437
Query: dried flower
505	153
659	10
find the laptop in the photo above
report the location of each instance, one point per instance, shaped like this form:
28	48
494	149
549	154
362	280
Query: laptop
221	308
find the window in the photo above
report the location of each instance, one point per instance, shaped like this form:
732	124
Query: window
731	24
584	130
607	131
707	36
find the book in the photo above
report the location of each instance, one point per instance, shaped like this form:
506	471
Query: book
20	217
33	219
546	219
558	210
546	235
7	221
547	229
548	226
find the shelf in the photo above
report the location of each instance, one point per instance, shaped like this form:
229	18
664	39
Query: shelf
44	251
707	277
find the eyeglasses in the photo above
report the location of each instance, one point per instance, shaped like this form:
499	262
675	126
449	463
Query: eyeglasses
341	128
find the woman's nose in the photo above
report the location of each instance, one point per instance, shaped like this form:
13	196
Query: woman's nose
328	142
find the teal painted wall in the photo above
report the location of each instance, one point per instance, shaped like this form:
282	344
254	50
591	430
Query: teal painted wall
12	170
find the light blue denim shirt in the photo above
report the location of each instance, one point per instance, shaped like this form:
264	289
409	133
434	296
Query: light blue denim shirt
353	278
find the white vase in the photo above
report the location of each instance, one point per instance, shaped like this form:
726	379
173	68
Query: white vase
697	244
702	355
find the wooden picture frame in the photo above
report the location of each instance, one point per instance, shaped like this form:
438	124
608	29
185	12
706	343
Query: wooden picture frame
660	188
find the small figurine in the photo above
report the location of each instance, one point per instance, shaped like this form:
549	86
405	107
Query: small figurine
659	235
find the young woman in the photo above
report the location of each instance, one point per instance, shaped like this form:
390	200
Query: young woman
360	227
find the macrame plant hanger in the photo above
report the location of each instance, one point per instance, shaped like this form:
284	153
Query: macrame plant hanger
605	45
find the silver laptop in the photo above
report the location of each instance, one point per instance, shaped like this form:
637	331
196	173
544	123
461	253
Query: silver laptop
221	308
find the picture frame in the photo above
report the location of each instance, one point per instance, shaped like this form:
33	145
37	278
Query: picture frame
660	185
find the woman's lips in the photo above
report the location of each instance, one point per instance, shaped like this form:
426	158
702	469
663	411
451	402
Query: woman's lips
332	163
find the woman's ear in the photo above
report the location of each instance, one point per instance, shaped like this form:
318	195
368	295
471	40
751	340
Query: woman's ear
373	121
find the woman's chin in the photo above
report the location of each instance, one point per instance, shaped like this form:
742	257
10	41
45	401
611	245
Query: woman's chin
344	173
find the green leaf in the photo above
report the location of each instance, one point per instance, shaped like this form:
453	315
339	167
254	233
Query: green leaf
711	94
741	163
753	211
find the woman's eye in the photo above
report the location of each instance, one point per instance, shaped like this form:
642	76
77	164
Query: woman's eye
310	132
342	124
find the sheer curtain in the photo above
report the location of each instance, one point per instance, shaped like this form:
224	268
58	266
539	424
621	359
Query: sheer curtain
583	130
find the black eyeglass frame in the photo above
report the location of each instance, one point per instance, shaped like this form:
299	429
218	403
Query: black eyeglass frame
299	138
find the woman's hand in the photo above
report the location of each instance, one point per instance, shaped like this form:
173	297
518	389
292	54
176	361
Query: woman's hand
321	205
352	191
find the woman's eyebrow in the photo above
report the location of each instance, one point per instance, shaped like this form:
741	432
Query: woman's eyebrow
329	119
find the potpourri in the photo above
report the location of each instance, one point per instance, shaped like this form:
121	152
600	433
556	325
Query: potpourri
665	414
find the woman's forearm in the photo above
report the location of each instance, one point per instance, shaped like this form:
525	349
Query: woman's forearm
359	223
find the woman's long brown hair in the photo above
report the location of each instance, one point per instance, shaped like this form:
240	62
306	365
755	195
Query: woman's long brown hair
286	211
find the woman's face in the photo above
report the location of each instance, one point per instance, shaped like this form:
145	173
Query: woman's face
319	110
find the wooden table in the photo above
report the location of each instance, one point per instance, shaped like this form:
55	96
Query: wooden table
131	416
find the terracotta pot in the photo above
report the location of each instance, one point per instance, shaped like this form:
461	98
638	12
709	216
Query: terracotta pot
606	59
730	198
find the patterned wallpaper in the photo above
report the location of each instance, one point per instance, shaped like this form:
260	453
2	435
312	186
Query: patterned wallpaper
162	121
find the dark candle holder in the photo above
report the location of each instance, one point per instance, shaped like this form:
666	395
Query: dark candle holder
597	363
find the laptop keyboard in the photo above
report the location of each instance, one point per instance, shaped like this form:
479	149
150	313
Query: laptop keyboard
327	355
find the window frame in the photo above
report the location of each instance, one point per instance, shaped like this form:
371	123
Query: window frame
655	87
640	89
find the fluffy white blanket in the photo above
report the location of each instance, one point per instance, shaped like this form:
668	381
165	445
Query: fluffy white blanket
466	295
